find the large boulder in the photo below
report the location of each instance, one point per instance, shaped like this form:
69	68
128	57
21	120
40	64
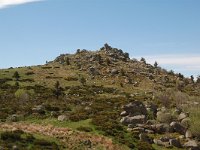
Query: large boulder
175	143
164	117
177	127
183	116
191	144
135	108
161	128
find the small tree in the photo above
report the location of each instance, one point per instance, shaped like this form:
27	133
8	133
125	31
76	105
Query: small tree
155	64
192	78
16	75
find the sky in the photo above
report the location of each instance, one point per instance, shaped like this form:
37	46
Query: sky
167	31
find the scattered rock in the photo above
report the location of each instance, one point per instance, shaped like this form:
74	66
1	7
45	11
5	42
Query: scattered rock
133	120
177	127
191	144
149	131
164	117
185	122
114	72
13	118
144	137
160	143
188	134
123	113
40	109
135	108
183	116
62	118
175	143
161	128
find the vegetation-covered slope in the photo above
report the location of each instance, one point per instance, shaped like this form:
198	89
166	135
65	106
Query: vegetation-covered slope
87	90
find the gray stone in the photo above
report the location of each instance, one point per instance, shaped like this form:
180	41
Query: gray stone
135	108
183	116
188	134
133	120
175	143
40	109
165	139
144	137
138	129
177	127
114	71
161	128
62	118
164	117
123	113
191	144
149	131
186	122
13	118
160	143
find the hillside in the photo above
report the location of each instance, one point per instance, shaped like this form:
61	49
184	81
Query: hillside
104	99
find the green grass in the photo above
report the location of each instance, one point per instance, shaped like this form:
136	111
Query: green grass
66	124
195	120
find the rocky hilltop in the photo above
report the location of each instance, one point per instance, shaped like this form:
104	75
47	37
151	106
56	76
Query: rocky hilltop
100	99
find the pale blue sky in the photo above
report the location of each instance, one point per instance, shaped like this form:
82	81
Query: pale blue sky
164	30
